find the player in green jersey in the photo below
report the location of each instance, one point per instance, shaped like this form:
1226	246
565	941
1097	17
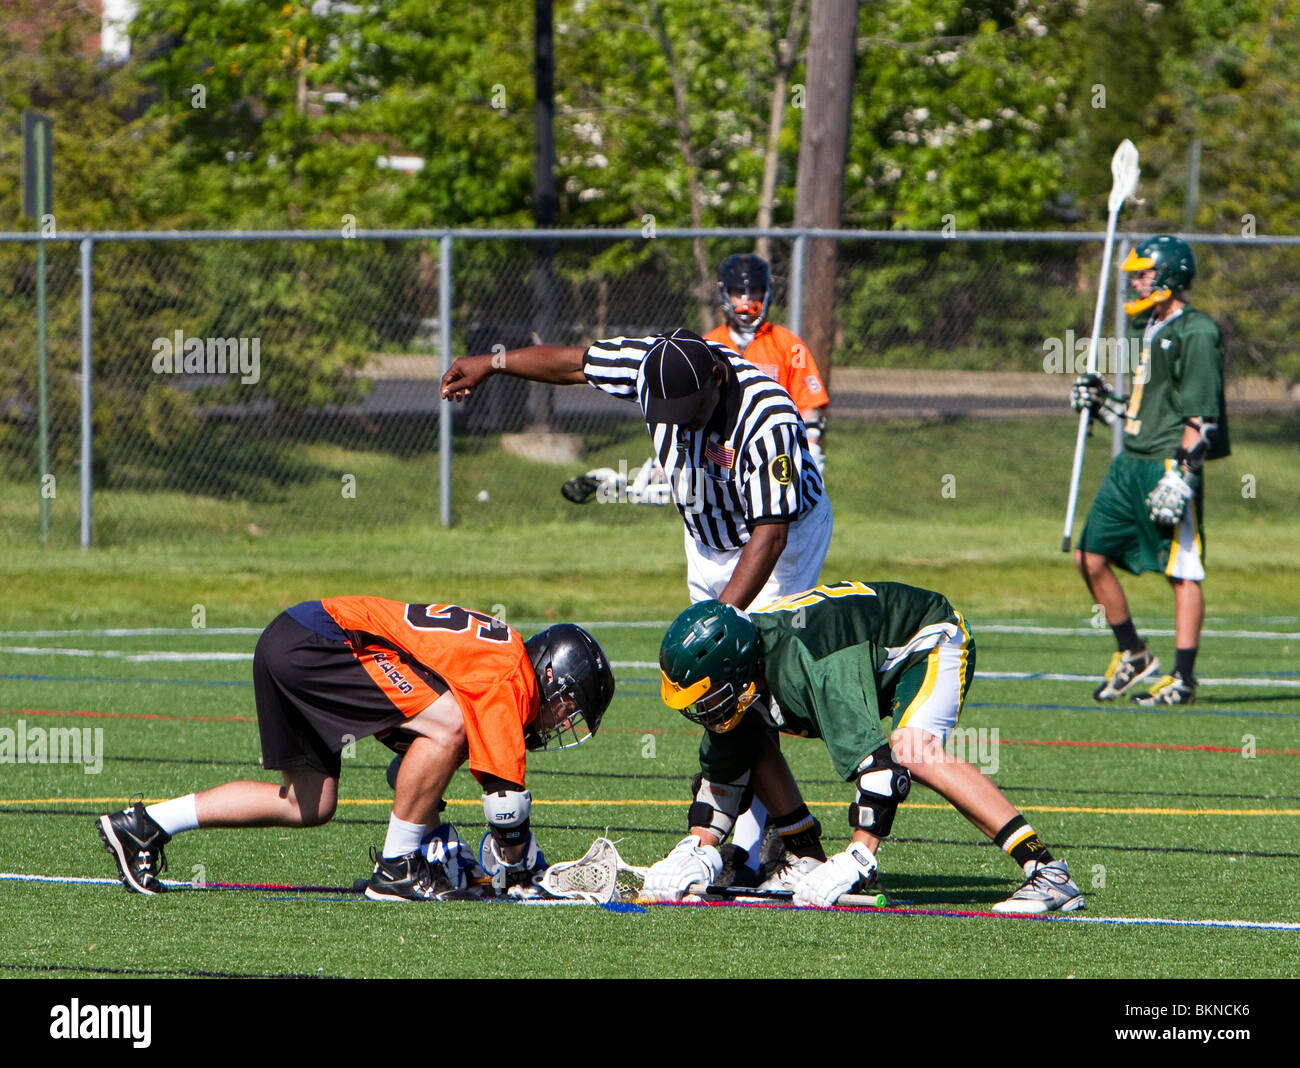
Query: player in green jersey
1147	516
834	661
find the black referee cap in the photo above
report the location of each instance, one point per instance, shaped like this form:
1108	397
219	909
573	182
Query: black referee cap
678	372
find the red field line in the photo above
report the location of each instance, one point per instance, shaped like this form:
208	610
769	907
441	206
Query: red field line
1146	745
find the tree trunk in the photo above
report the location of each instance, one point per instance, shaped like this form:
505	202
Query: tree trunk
541	397
823	146
704	293
786	54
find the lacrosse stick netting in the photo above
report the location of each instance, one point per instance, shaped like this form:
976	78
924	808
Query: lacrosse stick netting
600	876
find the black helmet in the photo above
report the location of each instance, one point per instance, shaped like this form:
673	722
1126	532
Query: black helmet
576	685
752	274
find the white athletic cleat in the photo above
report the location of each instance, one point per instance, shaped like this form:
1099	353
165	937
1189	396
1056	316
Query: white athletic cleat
1126	670
1170	690
1049	889
789	874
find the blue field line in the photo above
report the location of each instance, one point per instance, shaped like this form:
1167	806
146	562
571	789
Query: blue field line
101	678
620	907
1132	710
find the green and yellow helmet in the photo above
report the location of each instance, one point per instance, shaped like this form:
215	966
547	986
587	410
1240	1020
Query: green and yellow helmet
1172	260
708	664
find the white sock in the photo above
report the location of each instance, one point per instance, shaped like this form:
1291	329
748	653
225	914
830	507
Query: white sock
748	832
178	814
402	837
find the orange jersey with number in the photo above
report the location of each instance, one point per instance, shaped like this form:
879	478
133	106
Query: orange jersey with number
779	354
479	659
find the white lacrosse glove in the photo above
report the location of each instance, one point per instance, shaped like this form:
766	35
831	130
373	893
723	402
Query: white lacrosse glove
824	885
443	845
818	455
513	880
1167	502
1091	392
688	863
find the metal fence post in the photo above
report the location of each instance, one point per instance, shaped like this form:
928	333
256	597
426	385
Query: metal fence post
1121	334
444	406
87	423
794	313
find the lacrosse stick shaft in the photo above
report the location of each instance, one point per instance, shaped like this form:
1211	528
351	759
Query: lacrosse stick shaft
875	901
1118	196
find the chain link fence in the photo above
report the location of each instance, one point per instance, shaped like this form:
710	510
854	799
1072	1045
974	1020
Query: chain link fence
246	385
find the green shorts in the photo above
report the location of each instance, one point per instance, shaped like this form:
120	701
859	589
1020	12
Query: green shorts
1120	529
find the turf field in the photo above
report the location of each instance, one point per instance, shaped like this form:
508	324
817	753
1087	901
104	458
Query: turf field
1188	821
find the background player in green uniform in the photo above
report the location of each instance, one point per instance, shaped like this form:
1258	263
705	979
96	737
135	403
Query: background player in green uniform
835	661
1147	516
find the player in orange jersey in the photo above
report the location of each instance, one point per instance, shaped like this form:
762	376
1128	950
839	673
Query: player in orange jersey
442	684
745	293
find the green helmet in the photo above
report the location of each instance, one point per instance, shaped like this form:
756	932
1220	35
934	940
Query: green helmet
1172	260
708	662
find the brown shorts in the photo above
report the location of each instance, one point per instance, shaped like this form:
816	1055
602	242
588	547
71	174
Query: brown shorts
314	696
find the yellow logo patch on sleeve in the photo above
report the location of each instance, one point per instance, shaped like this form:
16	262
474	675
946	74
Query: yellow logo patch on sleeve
782	469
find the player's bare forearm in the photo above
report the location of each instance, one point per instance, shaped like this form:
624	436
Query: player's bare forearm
868	839
1192	433
707	837
758	557
559	365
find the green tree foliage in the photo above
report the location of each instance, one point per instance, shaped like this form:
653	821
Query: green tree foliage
1221	76
283	111
960	111
975	115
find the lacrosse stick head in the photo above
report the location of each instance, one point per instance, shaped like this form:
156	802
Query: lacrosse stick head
1124	172
600	876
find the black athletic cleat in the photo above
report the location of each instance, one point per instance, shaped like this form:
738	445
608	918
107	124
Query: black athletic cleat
1126	670
412	878
735	867
136	843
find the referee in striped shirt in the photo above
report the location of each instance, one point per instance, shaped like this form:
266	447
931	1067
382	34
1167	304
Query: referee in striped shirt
758	520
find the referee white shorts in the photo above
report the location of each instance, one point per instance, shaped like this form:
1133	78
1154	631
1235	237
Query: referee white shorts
799	568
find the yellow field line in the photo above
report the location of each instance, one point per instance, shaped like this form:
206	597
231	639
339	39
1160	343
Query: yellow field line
591	803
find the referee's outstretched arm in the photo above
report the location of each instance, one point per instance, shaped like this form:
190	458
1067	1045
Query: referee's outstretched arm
561	365
754	567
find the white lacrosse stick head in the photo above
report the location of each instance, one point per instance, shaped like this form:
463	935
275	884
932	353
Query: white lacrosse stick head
1124	173
599	877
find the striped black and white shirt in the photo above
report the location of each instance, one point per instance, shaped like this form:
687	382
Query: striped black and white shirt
749	466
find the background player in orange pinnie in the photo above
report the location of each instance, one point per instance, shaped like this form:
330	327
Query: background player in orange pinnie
440	683
745	295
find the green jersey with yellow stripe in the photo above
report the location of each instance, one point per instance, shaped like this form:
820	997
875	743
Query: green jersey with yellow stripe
1179	376
832	658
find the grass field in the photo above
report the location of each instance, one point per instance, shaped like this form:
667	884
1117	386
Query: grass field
1181	817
